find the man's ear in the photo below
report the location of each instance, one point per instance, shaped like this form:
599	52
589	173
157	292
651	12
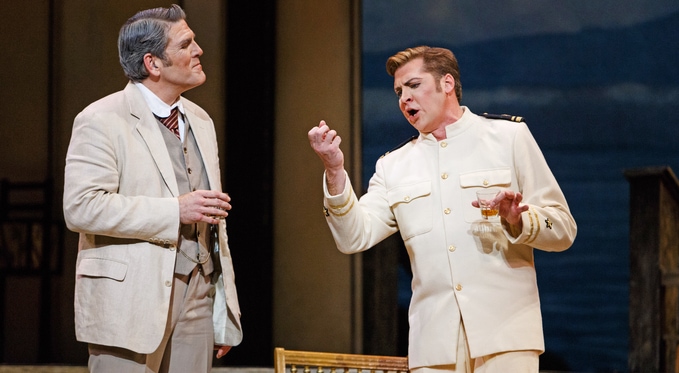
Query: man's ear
449	84
152	64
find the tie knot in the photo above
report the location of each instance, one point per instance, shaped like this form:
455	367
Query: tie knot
172	121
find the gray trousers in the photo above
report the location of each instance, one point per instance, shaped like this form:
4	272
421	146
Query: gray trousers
188	342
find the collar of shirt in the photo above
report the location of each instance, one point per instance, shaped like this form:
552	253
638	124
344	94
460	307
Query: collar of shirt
160	108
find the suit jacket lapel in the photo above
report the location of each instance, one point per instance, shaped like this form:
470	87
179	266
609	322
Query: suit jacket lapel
201	131
147	127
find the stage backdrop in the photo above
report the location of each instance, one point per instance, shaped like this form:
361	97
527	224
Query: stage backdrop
598	84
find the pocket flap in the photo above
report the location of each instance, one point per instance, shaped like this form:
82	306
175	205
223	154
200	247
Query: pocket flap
486	178
99	267
407	193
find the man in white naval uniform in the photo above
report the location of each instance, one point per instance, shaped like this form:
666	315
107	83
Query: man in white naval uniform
475	305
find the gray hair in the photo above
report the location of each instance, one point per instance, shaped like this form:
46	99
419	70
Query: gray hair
146	32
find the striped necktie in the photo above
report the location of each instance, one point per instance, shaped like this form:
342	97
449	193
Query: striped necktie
172	122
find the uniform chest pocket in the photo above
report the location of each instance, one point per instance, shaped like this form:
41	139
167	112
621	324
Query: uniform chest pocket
412	207
470	182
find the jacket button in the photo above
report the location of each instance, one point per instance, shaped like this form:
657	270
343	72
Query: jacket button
444	144
486	182
458	287
168	283
446	211
444	176
451	248
406	198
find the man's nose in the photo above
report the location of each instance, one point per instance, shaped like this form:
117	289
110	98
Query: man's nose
198	50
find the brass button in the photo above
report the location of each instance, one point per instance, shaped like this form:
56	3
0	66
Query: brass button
486	182
444	176
451	248
458	287
444	144
446	211
406	198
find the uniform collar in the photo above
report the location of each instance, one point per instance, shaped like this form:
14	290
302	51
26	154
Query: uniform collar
455	128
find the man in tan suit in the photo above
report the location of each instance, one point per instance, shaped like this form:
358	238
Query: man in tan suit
155	289
475	304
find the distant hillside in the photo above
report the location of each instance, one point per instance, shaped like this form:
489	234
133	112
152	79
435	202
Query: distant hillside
646	53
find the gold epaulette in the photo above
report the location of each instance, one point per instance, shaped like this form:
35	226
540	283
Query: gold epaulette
512	118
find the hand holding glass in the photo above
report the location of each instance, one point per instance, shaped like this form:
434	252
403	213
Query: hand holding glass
485	198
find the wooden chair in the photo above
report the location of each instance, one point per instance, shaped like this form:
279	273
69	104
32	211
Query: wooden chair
322	361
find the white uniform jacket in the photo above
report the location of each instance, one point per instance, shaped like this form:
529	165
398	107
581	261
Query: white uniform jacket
462	265
120	194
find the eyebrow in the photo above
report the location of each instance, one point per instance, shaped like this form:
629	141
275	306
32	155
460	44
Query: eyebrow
186	40
408	83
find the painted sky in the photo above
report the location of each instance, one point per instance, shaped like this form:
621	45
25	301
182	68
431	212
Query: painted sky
459	22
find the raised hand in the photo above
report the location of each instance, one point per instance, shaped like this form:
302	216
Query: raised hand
325	142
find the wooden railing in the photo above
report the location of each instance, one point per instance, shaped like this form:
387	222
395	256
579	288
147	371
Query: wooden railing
654	270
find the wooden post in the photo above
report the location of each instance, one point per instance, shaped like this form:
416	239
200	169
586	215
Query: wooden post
654	270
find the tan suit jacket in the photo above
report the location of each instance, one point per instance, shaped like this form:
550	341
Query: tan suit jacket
120	195
464	268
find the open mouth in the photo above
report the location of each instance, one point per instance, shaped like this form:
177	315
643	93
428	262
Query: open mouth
412	112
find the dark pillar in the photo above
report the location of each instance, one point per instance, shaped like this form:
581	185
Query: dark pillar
248	176
654	270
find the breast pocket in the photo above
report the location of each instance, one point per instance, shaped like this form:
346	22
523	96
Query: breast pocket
470	182
412	207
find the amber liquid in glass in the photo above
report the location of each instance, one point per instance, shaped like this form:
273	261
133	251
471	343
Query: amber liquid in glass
487	213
